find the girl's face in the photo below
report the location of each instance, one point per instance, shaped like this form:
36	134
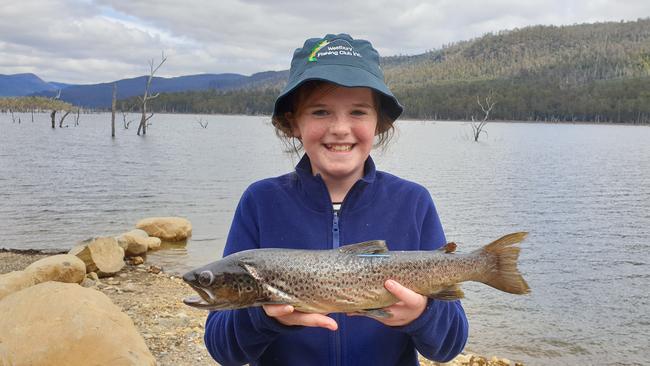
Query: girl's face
337	127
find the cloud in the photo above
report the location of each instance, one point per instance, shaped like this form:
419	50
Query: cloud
84	41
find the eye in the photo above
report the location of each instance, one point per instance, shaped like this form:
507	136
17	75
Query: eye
320	112
206	278
358	112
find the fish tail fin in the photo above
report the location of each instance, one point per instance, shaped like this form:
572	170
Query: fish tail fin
504	275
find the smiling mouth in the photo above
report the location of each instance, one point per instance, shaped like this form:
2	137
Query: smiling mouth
339	147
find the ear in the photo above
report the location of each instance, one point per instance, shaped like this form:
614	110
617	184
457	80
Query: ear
295	132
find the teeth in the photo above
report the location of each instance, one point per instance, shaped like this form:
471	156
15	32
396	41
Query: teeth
340	147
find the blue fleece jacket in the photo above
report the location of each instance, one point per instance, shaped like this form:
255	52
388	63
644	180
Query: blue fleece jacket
295	211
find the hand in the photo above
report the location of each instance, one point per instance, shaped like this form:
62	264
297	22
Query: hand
409	308
287	315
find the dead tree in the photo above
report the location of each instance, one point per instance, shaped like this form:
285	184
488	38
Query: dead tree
63	118
146	97
76	119
477	127
203	124
53	114
113	104
126	123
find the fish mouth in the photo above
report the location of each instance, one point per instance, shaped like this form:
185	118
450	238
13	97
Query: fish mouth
205	300
197	302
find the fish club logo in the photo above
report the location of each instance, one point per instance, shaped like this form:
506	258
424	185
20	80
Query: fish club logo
334	48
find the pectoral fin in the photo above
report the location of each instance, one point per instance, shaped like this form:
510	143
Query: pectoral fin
278	296
449	293
376	313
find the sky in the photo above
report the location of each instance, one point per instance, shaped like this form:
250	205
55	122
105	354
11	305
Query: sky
91	41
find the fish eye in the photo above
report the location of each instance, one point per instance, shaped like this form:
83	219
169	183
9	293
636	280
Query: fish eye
206	278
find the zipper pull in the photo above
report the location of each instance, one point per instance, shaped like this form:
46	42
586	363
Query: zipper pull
335	231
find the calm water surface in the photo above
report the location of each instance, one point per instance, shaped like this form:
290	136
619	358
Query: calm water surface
582	191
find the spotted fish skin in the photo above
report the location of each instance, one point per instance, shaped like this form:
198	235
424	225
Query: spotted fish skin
350	278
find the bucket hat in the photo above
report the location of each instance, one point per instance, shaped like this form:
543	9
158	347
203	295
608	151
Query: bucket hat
341	60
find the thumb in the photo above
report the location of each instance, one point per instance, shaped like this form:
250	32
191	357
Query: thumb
408	296
277	310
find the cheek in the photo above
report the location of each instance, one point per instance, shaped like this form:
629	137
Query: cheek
366	132
313	131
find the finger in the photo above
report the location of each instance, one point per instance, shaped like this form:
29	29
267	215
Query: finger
314	320
277	310
409	297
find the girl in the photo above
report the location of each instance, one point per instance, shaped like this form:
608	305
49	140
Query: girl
335	104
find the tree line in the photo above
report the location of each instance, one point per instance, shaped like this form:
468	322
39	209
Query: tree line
589	72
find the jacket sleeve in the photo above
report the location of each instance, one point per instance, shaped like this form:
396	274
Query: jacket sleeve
237	337
440	333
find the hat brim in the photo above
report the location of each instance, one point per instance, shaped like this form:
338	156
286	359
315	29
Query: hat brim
343	75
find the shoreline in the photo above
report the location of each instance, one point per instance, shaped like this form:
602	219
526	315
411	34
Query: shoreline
411	119
172	331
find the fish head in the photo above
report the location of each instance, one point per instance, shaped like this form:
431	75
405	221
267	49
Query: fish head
224	284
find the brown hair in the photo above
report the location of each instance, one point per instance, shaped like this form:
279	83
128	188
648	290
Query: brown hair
292	102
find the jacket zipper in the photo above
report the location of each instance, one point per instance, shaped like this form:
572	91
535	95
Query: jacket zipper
336	242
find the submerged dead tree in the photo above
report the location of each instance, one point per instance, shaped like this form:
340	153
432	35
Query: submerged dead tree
53	114
113	104
63	118
486	107
146	97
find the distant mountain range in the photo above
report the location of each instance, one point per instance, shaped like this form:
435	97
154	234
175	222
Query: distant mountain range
19	85
585	72
99	95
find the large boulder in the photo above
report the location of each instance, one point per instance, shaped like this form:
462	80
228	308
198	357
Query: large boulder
166	228
137	242
56	323
62	268
14	281
101	255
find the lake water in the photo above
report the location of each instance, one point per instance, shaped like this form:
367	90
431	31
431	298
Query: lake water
582	191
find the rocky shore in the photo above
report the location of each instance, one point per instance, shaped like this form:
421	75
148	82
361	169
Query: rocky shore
173	331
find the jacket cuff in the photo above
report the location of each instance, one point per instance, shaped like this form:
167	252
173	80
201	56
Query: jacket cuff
266	323
422	322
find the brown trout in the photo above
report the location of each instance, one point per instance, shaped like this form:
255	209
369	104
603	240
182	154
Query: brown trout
351	278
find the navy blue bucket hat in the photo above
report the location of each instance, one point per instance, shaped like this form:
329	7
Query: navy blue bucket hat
341	60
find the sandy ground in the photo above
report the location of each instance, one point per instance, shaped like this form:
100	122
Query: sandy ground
172	331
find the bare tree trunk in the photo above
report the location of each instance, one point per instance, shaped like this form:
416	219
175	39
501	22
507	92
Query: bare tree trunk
62	118
53	114
32	114
113	109
146	97
477	128
76	120
125	122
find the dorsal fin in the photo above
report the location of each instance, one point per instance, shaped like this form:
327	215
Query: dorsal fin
367	247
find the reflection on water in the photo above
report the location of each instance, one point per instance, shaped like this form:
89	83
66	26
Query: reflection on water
582	191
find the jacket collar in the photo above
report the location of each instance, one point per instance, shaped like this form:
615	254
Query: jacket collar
315	192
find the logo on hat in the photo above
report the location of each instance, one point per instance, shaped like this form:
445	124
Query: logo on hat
337	47
317	47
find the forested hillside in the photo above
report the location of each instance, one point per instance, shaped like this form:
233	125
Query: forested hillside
589	72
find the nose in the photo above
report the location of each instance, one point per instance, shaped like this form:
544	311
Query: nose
189	277
340	125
